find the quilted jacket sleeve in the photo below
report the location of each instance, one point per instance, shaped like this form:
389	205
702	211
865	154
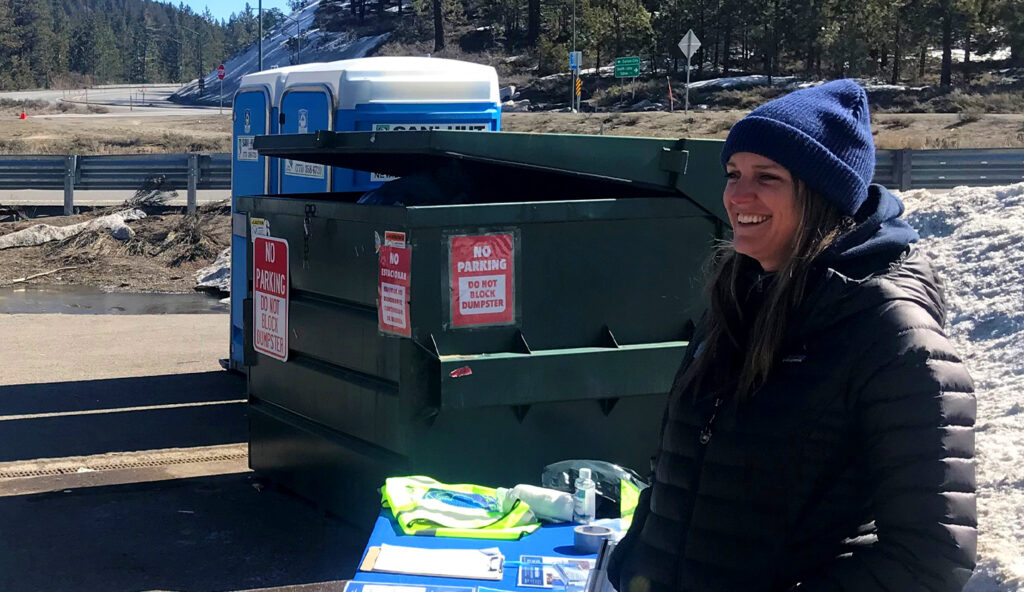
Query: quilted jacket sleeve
915	412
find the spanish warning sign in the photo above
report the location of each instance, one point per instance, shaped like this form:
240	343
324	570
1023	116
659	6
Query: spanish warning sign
270	297
482	280
393	290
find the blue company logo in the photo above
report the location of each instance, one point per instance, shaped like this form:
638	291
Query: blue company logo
463	500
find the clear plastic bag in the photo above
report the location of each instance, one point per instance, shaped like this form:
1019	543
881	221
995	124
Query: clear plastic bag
607	479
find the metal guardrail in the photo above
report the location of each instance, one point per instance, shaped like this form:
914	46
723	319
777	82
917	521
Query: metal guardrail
945	169
896	169
191	172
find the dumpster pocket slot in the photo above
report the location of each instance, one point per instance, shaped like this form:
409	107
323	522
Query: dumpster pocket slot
586	373
341	400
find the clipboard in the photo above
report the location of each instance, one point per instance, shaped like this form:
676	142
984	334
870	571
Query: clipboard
473	564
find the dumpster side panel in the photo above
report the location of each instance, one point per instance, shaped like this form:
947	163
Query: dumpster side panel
604	291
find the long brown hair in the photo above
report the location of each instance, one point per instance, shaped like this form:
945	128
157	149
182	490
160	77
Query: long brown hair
819	226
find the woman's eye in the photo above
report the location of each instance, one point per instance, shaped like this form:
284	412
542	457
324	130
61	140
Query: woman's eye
732	175
768	178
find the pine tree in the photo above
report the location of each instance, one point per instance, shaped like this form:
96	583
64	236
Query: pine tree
34	25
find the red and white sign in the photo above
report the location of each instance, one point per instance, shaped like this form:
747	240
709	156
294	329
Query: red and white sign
270	297
220	72
482	280
393	290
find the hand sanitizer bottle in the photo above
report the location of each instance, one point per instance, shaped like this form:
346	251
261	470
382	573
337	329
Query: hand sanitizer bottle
584	503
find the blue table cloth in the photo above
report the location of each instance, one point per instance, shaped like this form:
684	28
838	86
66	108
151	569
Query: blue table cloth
547	541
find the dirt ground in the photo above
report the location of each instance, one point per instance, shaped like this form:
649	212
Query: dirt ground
163	256
61	134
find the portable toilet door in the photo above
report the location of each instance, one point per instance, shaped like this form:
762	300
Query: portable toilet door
304	110
250	175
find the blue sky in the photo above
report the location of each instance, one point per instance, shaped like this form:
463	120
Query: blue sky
222	9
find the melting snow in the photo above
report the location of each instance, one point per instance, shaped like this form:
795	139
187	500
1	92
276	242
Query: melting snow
975	237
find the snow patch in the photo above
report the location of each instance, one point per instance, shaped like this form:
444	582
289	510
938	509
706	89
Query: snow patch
38	234
975	238
217	275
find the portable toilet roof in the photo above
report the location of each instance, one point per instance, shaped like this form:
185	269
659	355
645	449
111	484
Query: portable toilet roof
274	79
400	80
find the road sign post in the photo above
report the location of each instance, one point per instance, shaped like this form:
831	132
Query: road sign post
575	59
689	45
220	76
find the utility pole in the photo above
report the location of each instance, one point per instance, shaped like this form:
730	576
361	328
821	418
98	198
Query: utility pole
259	17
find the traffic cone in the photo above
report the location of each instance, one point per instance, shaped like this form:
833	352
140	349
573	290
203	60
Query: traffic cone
23	115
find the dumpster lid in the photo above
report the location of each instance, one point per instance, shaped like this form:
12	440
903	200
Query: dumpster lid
622	166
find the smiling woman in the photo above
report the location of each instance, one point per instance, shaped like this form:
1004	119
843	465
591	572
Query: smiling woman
819	432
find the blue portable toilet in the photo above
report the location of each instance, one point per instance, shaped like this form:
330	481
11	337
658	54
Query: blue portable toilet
382	94
367	94
254	112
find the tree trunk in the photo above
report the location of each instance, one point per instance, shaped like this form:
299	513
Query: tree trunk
946	77
380	6
399	7
438	27
897	53
532	21
920	61
726	42
967	58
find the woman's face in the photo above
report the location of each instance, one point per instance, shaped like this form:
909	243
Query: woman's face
760	197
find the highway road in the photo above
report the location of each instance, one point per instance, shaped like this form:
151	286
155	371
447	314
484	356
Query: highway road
35	197
119	100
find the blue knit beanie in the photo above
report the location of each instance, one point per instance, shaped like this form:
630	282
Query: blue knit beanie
821	134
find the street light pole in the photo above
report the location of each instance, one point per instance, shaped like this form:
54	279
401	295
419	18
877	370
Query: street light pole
259	17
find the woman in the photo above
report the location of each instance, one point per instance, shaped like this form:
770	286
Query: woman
819	433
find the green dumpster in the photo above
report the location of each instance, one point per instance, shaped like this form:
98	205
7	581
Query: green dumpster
475	342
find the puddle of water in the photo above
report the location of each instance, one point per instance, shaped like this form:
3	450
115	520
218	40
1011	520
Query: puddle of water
82	300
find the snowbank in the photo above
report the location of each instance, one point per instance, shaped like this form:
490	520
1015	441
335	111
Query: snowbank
43	233
216	276
975	237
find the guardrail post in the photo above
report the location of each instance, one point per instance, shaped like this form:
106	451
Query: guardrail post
70	170
902	168
193	181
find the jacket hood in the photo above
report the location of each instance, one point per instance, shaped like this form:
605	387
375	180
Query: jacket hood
879	232
871	263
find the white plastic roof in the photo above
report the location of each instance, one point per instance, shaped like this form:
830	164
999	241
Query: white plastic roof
387	80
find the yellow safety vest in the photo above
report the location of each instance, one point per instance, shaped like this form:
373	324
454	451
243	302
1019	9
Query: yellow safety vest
426	507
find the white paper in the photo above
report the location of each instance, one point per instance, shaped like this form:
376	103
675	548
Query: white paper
459	563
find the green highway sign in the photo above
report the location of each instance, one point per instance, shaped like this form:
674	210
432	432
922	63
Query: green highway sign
627	67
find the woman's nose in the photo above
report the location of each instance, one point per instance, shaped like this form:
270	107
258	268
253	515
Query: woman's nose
740	192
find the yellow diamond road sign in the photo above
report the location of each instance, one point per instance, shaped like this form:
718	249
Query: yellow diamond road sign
689	44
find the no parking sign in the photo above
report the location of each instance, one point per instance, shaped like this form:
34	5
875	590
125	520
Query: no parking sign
482	280
270	297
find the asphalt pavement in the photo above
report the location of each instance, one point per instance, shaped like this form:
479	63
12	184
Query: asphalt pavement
123	466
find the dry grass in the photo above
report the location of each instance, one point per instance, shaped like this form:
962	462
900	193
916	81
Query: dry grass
120	135
917	131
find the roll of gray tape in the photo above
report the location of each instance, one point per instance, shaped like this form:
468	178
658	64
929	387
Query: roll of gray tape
588	538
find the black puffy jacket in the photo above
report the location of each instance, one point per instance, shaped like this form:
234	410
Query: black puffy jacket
850	469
